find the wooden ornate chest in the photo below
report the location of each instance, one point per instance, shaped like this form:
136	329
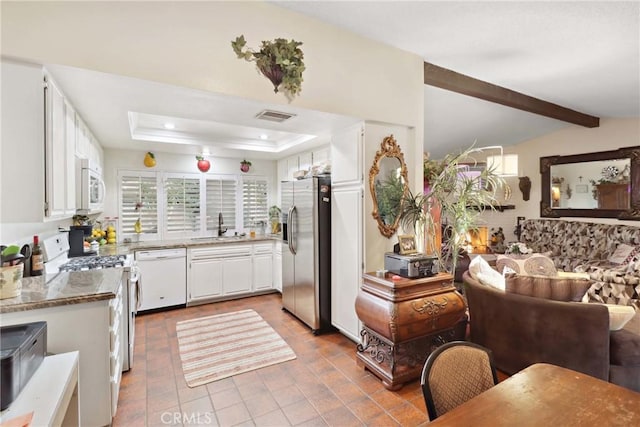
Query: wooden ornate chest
404	320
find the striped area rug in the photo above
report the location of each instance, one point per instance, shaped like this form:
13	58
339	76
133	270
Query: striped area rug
220	346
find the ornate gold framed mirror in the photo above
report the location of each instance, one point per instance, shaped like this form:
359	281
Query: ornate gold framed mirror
388	183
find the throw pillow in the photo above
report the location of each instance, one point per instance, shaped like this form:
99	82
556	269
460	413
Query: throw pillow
572	275
553	288
495	279
529	264
624	254
480	270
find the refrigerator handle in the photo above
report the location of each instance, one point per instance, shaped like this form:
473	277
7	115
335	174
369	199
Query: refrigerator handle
291	226
289	229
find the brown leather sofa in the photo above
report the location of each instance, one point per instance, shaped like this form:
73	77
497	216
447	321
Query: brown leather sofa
522	330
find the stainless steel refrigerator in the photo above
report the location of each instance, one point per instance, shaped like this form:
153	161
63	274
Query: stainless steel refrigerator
306	251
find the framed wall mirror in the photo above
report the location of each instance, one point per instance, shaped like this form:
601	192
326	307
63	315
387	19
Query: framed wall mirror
388	184
604	184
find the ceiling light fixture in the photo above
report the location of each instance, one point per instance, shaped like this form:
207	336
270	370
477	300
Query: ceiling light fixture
263	136
169	125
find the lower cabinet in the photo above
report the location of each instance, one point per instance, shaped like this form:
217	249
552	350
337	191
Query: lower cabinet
93	329
228	270
262	266
205	278
277	267
236	275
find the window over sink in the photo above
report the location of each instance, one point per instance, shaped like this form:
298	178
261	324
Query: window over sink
170	205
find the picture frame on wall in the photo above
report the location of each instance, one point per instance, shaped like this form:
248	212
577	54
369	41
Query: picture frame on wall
582	188
407	244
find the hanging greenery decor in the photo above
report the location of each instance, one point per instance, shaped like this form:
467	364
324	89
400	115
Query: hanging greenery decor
280	60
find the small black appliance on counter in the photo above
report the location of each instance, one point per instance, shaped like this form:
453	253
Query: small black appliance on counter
77	234
22	350
412	266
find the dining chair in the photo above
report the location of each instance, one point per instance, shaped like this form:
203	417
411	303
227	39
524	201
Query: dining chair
454	373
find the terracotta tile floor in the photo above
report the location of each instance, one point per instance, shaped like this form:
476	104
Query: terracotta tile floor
322	387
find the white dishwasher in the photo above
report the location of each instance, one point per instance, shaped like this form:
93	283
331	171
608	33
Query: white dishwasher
163	278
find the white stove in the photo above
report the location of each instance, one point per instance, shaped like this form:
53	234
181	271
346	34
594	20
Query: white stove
94	262
56	257
57	260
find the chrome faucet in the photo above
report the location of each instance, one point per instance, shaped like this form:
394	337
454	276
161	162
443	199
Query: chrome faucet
221	231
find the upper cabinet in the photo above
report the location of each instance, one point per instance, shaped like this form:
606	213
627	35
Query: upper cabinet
39	147
23	157
87	145
346	155
59	154
287	168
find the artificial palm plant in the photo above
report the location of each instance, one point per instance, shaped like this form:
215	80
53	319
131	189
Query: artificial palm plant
460	199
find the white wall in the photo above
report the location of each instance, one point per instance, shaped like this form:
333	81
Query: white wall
188	44
183	163
376	244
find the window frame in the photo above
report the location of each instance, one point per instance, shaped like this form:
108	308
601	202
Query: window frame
161	178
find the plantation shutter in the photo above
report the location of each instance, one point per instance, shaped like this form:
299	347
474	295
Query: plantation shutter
139	200
254	201
182	205
221	198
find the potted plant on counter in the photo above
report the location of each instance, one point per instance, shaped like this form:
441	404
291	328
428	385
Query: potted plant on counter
274	218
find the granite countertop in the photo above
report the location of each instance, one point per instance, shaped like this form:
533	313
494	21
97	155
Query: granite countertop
127	248
95	285
64	289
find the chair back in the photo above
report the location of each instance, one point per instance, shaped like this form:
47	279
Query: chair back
454	373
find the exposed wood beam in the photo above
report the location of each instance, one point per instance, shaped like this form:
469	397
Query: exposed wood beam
456	82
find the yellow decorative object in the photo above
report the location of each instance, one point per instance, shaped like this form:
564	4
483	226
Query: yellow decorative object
149	159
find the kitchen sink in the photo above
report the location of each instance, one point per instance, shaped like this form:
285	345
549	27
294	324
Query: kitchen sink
216	238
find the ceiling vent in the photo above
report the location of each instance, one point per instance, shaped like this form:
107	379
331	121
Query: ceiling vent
274	116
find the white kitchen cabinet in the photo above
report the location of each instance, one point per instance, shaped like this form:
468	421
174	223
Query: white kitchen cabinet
22	163
346	156
321	155
347	230
304	161
346	259
38	147
262	266
292	167
87	145
55	149
204	279
277	266
82	139
70	148
58	163
236	276
228	270
93	329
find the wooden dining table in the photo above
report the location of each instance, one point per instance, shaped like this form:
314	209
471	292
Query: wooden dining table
549	396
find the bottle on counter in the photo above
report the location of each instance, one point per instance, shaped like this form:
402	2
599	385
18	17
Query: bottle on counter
37	262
